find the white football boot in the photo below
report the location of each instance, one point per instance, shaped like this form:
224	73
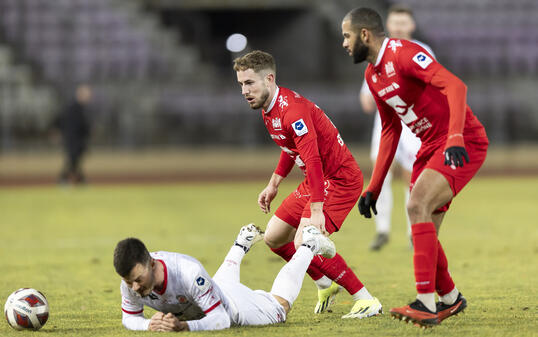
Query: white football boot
318	243
248	236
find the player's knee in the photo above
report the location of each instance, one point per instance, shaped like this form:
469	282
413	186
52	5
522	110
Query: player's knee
416	208
272	242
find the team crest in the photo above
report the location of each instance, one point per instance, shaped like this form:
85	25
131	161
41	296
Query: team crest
389	69
282	101
393	44
277	125
182	299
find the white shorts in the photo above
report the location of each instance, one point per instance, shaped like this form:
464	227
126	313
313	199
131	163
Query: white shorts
407	147
251	307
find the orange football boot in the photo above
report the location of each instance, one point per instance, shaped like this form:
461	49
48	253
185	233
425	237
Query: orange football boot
417	313
444	311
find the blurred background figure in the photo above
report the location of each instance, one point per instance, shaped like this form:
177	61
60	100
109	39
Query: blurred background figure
161	79
74	128
400	24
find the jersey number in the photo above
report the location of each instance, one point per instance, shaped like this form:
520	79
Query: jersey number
404	111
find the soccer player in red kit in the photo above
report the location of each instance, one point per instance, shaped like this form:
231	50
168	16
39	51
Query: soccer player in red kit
409	85
331	188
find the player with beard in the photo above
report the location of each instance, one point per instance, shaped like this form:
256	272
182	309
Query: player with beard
400	25
410	86
332	185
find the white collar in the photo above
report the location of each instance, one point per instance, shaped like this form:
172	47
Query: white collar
381	51
273	100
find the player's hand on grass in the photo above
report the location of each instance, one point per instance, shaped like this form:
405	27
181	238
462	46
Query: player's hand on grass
168	322
172	323
367	202
156	321
266	197
454	155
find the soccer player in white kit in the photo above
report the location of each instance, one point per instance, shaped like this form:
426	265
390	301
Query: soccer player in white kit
188	299
400	25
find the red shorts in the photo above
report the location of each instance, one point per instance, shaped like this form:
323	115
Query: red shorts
434	158
341	195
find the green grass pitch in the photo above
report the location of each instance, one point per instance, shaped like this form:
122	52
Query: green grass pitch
60	241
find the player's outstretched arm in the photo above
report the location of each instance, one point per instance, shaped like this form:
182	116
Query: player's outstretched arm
390	136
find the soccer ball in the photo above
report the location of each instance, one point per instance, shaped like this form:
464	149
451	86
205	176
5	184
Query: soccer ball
26	308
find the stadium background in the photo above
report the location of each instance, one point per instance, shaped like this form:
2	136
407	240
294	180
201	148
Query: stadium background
167	108
162	78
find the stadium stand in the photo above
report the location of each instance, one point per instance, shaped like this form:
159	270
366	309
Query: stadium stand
158	85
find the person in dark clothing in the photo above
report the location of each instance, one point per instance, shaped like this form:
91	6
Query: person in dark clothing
74	127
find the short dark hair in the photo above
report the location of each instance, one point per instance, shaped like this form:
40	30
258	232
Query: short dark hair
368	18
128	253
256	60
401	9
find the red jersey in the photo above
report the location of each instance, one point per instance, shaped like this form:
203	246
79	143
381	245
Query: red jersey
307	137
409	85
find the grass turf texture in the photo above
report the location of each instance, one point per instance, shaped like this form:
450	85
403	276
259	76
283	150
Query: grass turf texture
60	241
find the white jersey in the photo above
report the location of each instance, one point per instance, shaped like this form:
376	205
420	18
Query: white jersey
409	143
205	303
188	292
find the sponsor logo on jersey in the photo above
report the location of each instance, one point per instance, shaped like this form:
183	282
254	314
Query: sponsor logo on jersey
374	78
282	101
422	60
277	125
420	126
389	69
393	86
299	127
393	44
278	136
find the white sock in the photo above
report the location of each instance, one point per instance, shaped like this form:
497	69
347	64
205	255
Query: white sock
406	195
289	280
428	300
362	294
229	270
451	297
384	206
324	282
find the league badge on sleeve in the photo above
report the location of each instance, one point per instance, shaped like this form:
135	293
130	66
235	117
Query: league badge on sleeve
299	127
422	60
202	283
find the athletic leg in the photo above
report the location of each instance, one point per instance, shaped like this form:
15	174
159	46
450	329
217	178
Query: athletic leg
289	280
384	213
229	271
406	177
430	192
279	237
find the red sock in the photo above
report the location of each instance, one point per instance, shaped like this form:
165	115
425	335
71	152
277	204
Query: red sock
425	256
443	281
337	270
287	251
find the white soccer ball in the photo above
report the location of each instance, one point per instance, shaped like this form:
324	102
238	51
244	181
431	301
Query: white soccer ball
26	308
